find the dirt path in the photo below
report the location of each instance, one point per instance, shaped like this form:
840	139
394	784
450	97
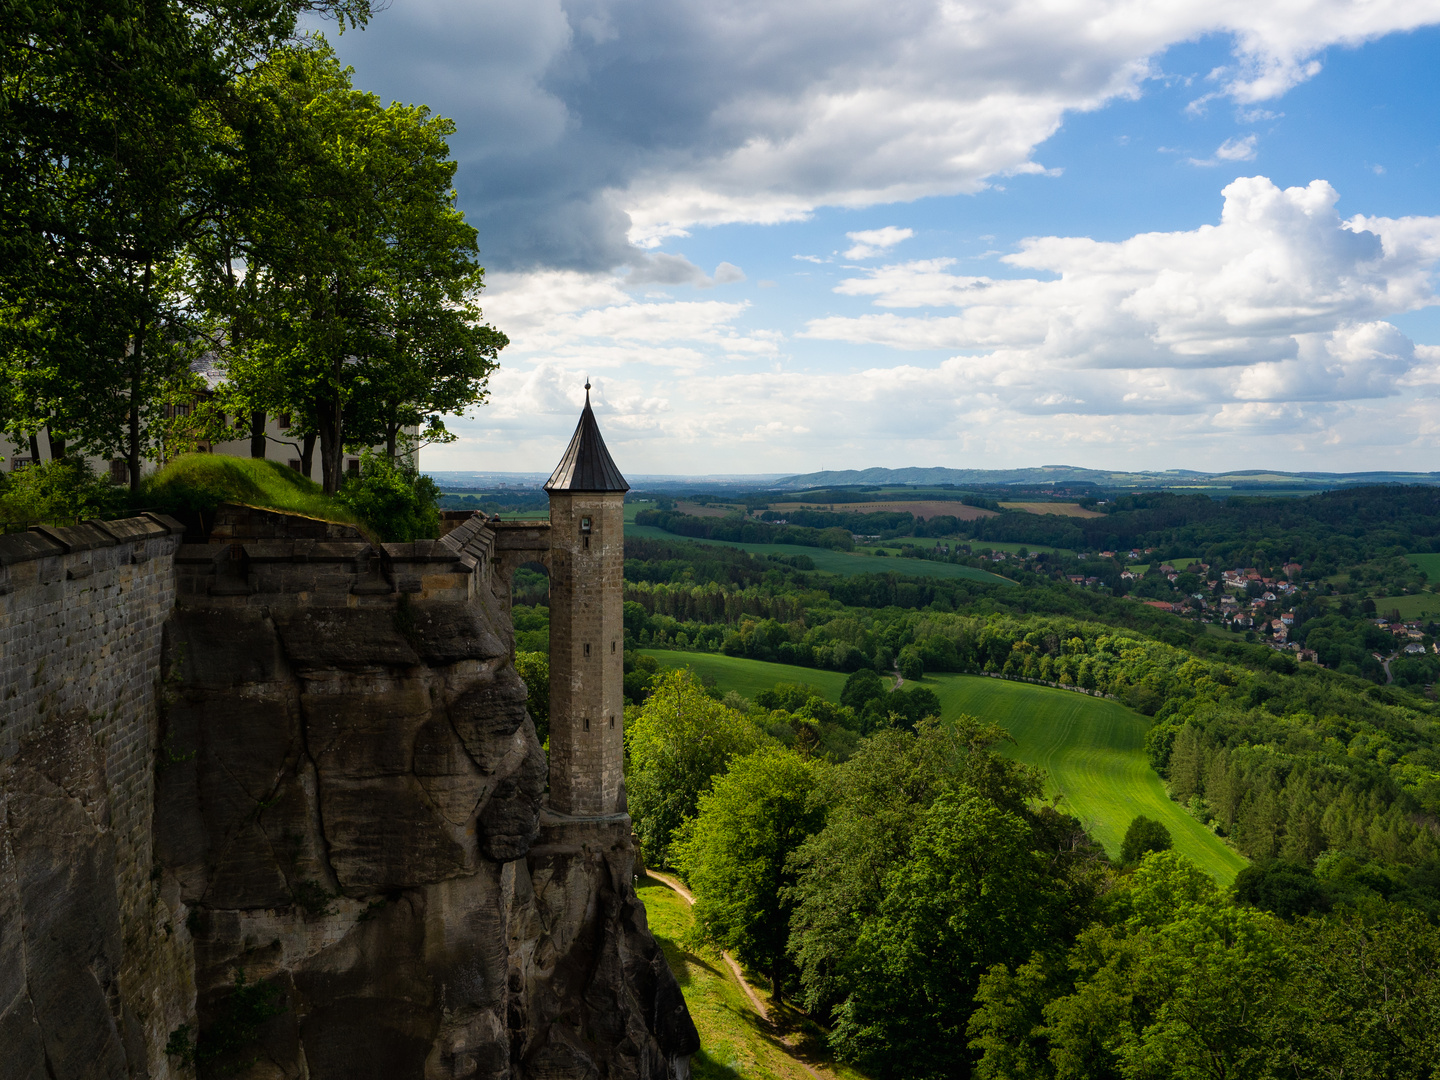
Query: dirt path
755	999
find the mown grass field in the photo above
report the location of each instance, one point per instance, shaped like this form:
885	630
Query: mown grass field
749	677
736	1043
1429	561
1413	606
1093	750
837	562
1094	753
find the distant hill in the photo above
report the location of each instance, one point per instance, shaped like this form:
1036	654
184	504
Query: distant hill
1063	476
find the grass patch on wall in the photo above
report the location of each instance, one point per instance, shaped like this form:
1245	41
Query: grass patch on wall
198	483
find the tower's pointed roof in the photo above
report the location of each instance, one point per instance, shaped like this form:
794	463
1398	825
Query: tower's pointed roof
586	464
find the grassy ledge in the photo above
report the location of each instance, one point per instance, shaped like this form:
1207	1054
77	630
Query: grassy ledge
198	483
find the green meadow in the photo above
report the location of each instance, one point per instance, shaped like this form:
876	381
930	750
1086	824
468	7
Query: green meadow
1092	749
1429	561
1412	606
837	562
749	677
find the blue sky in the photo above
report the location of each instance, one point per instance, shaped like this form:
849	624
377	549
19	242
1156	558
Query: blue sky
1197	235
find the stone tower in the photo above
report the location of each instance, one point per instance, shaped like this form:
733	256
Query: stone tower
587	567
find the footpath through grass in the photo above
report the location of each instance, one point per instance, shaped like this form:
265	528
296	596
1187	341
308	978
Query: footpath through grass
845	563
736	1043
1092	749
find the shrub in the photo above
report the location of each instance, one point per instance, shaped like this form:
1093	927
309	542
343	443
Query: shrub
399	503
1142	837
534	668
57	493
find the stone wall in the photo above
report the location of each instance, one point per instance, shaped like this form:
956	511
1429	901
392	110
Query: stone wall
95	964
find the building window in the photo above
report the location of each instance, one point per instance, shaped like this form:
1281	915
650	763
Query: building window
584	525
587	723
119	471
284	420
612	723
295	463
16	464
587	648
353	466
612	647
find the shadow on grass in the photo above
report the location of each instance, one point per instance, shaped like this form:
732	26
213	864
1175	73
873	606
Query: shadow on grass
704	1067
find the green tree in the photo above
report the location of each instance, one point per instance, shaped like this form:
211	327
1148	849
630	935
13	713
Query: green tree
862	687
735	851
112	162
357	312
676	743
972	893
534	669
1142	837
876	802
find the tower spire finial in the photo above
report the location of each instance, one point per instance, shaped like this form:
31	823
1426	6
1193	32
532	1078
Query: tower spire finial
587	388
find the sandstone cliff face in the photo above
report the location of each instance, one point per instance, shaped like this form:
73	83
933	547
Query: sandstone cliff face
349	805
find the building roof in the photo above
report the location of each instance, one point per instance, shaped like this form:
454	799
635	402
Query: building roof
586	464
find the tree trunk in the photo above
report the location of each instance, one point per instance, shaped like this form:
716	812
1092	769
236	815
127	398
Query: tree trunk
57	445
307	454
392	432
332	444
257	433
777	994
132	454
34	449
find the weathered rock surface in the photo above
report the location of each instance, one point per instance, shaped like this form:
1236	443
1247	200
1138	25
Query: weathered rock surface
349	804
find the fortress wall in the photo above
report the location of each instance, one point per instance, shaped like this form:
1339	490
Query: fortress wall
302	755
94	959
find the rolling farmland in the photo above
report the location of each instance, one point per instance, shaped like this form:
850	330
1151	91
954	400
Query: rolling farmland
836	562
1092	749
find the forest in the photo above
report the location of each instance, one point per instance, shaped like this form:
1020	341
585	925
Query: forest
902	879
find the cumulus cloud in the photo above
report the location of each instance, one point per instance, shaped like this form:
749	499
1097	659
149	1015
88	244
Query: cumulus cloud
588	127
1263	335
1230	150
872	242
1281	302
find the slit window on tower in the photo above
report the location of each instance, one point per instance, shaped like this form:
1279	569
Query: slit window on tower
587	648
587	723
612	722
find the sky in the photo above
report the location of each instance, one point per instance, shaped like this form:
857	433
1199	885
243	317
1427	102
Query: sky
784	237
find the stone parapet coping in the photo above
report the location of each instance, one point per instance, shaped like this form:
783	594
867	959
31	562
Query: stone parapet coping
49	541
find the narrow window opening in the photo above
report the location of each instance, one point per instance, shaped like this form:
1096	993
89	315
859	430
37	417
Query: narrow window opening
587	723
612	723
587	648
584	525
587	543
612	646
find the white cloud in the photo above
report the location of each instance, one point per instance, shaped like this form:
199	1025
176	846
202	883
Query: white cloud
872	242
1230	150
1237	149
603	124
1263	336
1280	302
